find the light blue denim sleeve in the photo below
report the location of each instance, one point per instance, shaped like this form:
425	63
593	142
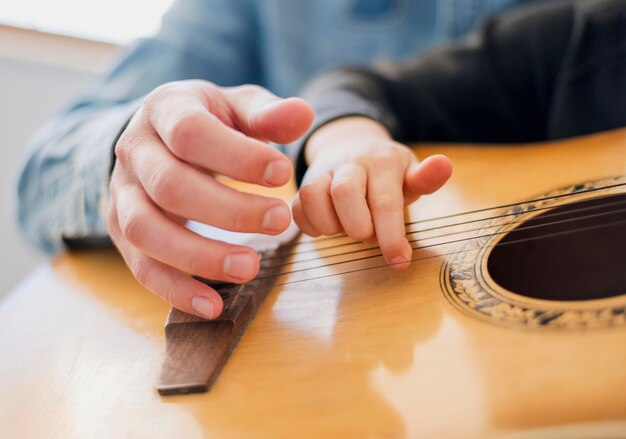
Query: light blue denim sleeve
63	186
278	44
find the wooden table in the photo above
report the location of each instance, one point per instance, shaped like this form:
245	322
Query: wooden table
82	343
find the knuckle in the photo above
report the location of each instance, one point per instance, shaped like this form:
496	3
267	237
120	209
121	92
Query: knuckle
168	89
141	270
155	99
248	89
132	226
362	233
169	293
243	220
298	213
172	293
342	189
327	222
384	203
122	148
182	131
161	92
198	264
126	148
383	160
332	229
308	228
163	187
308	193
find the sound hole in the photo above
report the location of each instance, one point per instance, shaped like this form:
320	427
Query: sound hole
572	252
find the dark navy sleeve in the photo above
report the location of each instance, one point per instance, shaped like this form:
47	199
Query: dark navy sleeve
548	71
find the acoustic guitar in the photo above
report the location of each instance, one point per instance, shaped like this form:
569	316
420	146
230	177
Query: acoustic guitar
510	323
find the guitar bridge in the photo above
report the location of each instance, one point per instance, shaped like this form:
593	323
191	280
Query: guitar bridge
197	349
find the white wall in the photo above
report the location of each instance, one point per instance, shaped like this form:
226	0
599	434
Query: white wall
39	74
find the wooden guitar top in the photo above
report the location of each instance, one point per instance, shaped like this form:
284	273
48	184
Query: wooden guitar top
426	352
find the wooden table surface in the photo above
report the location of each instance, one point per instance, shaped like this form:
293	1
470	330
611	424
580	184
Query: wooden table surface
81	345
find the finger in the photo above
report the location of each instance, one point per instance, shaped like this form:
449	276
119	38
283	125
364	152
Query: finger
195	135
151	232
386	204
301	220
179	290
426	177
189	193
263	115
348	191
317	204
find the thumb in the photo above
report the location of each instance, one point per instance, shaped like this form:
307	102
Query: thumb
426	177
260	114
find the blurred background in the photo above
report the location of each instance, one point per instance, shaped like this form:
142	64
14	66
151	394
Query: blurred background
49	53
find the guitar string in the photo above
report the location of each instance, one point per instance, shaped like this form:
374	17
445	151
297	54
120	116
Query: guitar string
486	209
456	241
342	236
549	215
583	229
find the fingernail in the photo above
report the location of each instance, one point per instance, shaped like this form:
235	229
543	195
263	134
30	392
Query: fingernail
203	306
239	265
276	219
277	172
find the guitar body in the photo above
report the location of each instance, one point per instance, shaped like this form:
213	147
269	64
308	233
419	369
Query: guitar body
345	347
403	353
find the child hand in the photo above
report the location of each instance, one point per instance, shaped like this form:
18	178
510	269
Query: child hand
359	181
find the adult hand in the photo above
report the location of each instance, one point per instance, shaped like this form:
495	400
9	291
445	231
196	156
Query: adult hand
184	134
359	181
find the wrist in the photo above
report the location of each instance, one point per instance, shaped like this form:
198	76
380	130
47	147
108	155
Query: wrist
343	131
